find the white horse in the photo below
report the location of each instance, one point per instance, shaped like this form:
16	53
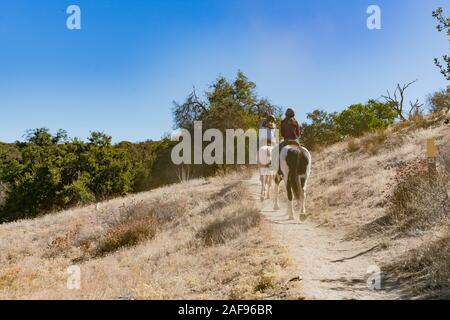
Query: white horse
295	163
265	171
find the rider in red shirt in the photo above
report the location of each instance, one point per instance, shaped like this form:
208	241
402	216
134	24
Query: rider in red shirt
290	129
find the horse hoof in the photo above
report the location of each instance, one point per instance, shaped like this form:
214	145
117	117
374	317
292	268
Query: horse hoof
261	198
302	217
276	207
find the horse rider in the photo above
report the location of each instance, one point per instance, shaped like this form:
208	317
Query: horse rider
266	129
290	132
290	129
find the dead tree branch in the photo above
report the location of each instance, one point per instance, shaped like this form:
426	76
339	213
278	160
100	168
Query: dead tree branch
397	98
415	109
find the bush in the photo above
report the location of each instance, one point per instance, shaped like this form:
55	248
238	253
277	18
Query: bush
373	142
321	131
127	234
3	194
47	173
440	100
427	268
361	118
325	128
221	231
353	145
414	202
76	193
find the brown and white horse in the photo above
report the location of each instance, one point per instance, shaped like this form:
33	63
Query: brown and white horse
295	163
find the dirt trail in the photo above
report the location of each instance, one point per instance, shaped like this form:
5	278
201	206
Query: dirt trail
314	248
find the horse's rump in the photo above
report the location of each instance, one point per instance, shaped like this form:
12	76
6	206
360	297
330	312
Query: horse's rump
298	163
265	161
265	156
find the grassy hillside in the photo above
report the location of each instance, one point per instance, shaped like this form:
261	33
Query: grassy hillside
202	239
377	189
206	238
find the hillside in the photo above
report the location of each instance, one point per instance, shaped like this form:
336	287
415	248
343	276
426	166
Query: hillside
354	224
202	239
212	238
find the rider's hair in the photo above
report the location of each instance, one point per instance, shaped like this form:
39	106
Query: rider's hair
290	113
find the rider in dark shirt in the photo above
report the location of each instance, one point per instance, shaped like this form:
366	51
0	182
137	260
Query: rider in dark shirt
290	131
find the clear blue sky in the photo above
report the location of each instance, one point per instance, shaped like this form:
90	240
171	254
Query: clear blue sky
131	59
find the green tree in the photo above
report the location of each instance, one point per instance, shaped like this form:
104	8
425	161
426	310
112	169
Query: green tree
320	130
48	172
227	105
440	100
443	26
100	139
360	118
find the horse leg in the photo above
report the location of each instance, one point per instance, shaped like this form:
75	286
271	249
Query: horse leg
303	200
290	195
277	185
269	185
261	197
290	210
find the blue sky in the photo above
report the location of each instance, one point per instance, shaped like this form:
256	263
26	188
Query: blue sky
131	59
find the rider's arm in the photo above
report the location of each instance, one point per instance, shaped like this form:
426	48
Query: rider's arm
297	130
283	130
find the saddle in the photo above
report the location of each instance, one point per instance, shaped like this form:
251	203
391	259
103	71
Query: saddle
292	143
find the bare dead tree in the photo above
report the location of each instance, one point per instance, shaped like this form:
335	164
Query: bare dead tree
416	108
397	99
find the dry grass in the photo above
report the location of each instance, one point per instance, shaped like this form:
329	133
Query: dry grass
370	143
127	234
352	189
200	239
204	239
348	189
414	201
419	121
229	228
425	270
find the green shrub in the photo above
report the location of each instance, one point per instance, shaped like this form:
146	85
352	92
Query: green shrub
361	118
76	193
47	173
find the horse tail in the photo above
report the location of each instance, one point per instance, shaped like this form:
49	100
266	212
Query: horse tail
293	183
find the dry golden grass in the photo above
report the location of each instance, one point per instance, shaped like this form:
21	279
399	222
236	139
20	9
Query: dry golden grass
221	231
353	145
205	239
415	202
127	234
199	239
370	143
350	189
425	271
